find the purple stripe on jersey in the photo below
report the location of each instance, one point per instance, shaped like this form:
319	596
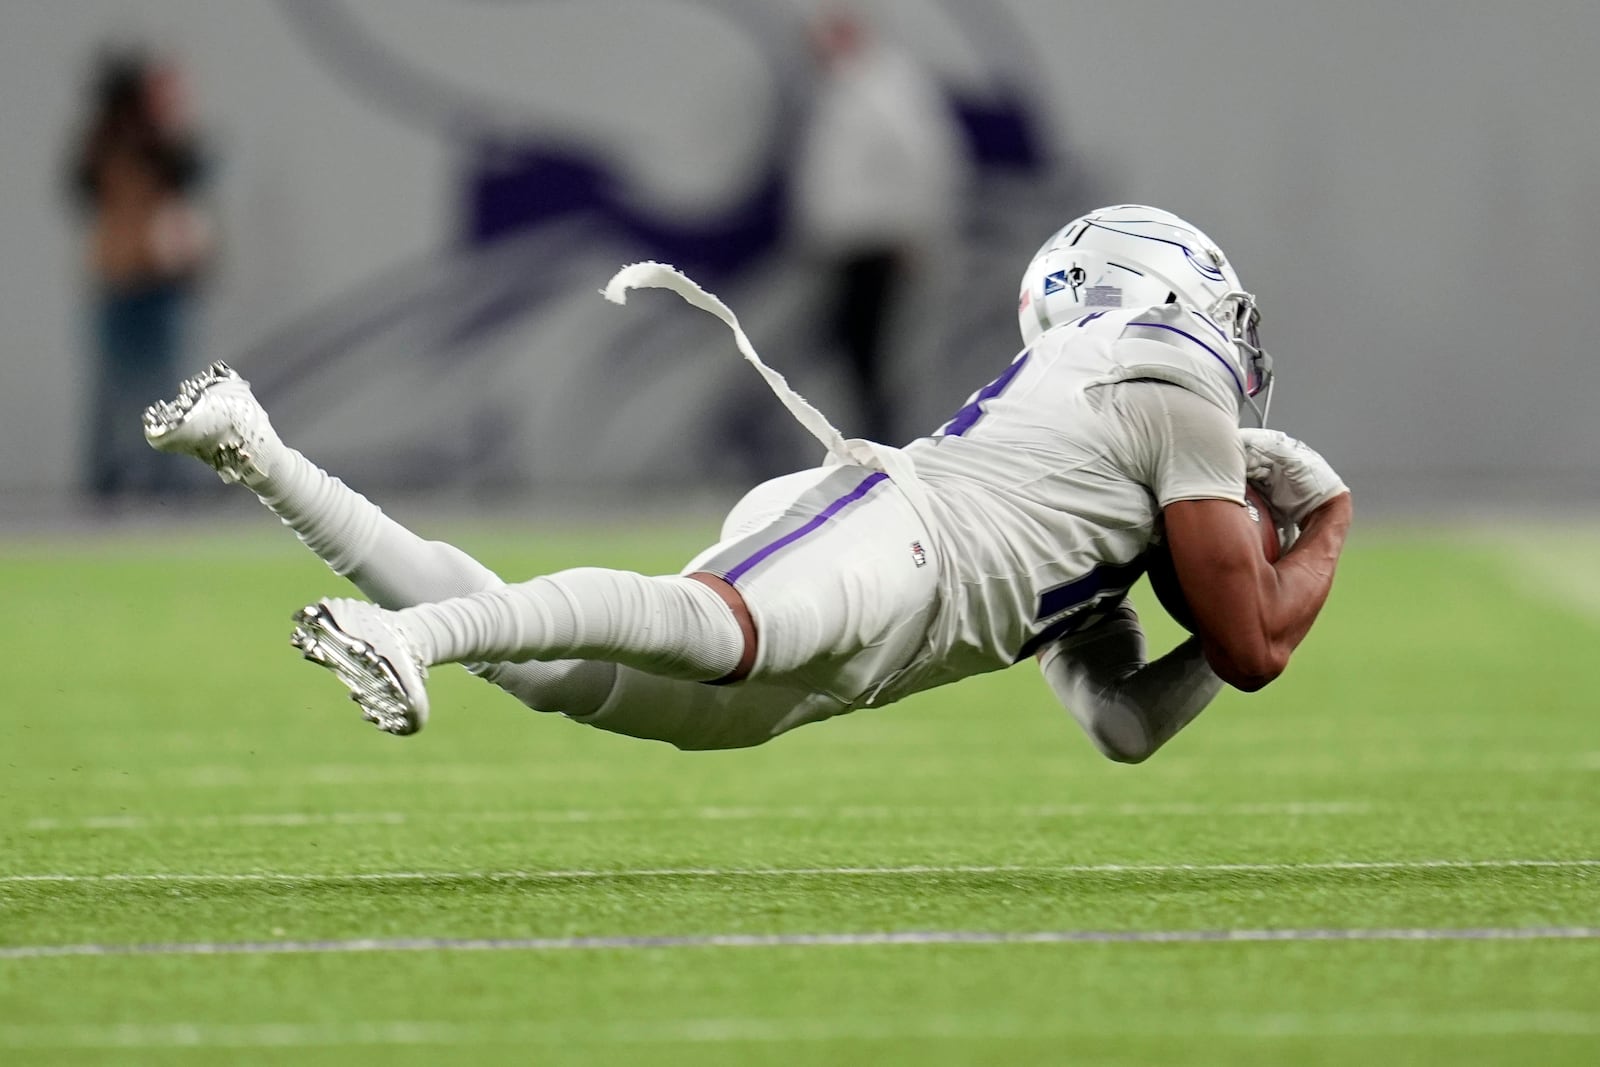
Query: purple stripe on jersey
1185	333
733	574
972	411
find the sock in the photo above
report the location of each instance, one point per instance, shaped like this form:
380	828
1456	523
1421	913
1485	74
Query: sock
395	568
669	626
333	520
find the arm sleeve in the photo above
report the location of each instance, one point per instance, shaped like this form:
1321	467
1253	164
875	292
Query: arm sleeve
1181	445
1129	708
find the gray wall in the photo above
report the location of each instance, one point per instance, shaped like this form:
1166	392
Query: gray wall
1410	187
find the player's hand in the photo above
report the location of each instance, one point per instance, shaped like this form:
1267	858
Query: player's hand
1295	479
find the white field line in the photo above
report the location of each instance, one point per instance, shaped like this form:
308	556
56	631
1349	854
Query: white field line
778	1030
306	877
229	822
699	814
819	940
477	775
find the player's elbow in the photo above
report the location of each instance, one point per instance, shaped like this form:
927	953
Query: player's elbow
1129	754
1249	667
1120	737
1251	683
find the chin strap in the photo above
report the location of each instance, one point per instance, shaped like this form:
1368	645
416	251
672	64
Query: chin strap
1261	410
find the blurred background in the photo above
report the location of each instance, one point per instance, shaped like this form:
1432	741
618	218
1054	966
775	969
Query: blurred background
393	216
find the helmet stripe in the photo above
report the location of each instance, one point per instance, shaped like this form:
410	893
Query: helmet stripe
1189	253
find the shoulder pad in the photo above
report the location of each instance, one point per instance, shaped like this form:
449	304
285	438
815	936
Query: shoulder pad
1187	330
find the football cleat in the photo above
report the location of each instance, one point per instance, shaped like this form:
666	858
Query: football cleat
216	418
372	658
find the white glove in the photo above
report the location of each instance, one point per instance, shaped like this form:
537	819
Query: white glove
1295	479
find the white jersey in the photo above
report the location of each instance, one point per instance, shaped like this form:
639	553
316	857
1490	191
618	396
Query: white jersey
1045	492
1039	497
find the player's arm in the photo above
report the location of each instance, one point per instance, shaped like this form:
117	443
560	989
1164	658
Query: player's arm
1181	446
1128	707
1250	614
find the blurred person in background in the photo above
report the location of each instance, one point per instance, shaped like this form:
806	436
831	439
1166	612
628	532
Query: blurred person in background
879	179
135	173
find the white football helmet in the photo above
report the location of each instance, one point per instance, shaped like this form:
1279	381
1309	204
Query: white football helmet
1136	256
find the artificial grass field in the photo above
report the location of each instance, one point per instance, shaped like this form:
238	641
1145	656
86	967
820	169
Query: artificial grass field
172	773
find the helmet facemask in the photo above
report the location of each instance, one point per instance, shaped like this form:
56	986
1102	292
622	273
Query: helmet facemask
1237	313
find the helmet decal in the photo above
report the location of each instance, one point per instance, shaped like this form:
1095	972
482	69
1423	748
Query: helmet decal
1208	262
1103	296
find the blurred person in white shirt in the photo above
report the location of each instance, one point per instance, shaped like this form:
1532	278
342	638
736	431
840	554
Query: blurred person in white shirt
881	172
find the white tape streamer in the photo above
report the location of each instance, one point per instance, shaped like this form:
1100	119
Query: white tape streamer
651	275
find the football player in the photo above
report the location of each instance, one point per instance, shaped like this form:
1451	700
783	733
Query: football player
1012	533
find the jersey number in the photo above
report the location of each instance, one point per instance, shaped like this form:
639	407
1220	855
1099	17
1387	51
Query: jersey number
1080	598
972	410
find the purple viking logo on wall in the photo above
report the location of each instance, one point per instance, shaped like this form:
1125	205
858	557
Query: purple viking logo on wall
559	173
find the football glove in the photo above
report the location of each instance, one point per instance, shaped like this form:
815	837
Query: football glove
1293	476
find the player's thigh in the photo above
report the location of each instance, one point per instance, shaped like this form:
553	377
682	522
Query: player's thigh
840	583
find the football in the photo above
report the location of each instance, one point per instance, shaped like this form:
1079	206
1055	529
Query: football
1164	577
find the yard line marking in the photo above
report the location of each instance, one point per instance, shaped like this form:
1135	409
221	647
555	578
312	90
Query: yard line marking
306	877
708	1030
240	775
229	776
843	940
237	821
704	814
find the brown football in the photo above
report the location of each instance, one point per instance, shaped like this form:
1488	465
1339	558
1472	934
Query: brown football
1164	577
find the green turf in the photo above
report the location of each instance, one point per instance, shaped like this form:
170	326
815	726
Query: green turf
155	722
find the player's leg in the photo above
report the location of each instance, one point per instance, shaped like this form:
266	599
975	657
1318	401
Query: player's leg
1129	708
696	717
838	586
635	703
693	716
690	715
216	418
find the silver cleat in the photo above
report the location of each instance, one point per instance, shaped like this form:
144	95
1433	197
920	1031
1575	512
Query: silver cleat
353	640
216	418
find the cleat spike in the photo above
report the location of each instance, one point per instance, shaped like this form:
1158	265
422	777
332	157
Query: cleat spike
216	418
377	666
